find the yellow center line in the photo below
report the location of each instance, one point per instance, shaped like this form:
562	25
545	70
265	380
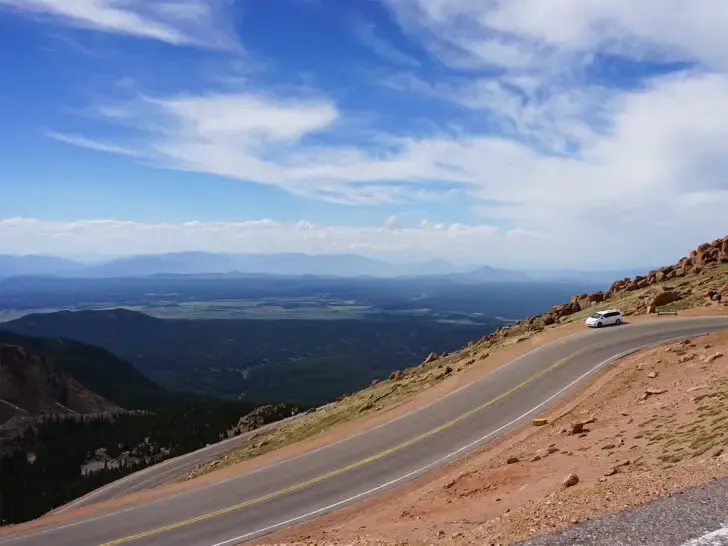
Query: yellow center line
341	470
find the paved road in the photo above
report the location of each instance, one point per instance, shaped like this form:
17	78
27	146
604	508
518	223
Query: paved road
252	505
695	517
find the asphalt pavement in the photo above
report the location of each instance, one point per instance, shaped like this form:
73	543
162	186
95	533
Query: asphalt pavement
266	500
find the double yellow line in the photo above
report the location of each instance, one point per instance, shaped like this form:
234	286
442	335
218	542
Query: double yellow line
341	470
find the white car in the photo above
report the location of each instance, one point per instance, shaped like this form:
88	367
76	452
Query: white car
604	318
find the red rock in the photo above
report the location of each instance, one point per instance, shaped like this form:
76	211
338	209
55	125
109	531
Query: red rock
713	357
663	298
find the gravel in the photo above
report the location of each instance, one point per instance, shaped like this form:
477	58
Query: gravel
673	521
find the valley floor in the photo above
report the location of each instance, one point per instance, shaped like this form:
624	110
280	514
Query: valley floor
660	425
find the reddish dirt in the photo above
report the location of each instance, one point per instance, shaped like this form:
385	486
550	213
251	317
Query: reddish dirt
638	448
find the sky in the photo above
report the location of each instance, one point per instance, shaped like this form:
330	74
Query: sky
516	133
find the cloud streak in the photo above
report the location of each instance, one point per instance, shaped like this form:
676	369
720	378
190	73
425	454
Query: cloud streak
655	144
178	22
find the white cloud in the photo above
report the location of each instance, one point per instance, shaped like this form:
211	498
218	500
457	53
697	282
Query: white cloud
457	241
392	222
89	144
602	173
664	147
672	29
195	22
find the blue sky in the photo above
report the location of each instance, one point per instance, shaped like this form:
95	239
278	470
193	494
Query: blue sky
520	132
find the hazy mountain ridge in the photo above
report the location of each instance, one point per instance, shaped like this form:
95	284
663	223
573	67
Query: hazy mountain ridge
286	264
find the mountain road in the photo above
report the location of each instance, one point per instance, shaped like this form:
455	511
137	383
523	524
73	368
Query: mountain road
251	505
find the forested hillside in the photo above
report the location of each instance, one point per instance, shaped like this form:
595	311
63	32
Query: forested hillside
51	458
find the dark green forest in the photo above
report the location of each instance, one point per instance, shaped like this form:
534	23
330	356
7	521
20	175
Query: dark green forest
28	490
178	423
298	361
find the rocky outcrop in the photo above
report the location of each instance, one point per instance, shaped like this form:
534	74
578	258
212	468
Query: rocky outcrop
704	257
31	385
264	415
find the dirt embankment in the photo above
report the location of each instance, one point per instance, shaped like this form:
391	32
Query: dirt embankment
655	423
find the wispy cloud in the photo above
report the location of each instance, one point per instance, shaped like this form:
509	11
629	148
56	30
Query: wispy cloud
89	144
651	29
180	22
553	152
643	167
422	241
366	34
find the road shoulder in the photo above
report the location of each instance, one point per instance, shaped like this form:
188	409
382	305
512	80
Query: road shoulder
639	448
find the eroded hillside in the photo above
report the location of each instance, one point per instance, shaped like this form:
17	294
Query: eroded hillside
31	385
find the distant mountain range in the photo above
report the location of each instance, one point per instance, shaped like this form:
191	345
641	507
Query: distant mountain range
290	264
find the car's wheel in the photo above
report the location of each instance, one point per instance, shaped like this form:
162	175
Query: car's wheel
599	324
618	322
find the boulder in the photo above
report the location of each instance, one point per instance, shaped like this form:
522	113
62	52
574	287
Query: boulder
584	302
431	358
576	428
663	298
713	357
652	392
265	414
396	375
597	297
571	480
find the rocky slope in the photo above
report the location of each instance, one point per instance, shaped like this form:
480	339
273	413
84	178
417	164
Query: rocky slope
31	385
693	279
264	415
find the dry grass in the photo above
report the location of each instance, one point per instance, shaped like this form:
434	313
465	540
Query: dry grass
383	395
